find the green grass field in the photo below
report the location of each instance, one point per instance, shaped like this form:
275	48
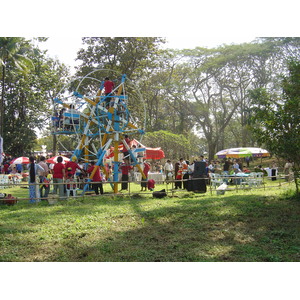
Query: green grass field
242	225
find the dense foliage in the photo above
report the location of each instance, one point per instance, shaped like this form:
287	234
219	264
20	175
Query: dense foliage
200	94
276	118
26	95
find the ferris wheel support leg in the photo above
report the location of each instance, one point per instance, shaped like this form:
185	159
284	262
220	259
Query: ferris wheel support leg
116	166
86	153
135	163
98	164
86	186
102	152
77	153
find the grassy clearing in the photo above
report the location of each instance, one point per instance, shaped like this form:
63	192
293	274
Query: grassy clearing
251	225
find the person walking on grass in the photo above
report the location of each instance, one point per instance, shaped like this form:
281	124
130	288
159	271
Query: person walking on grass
125	168
97	178
34	189
145	171
58	178
43	177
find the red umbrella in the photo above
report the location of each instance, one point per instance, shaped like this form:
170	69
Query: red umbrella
20	160
53	160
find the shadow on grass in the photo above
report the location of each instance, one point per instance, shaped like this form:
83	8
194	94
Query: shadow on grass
252	229
203	228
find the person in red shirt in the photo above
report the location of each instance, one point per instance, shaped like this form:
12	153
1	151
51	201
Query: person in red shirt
151	184
58	177
73	165
144	181
96	178
5	167
178	183
108	88
125	168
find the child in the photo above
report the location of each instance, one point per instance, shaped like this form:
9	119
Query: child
144	181
178	184
151	184
70	183
125	168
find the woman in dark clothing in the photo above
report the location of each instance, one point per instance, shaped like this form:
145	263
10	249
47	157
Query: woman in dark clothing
34	189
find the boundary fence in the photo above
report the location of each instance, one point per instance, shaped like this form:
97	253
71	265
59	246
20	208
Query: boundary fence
168	185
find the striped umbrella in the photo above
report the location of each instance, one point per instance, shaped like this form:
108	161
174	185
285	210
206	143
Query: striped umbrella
20	160
53	160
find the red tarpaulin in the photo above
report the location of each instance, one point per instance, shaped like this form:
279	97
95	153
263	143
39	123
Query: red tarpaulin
151	153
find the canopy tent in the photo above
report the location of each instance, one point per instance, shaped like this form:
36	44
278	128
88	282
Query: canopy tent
151	153
242	152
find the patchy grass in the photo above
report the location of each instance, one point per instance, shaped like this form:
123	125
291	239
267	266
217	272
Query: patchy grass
251	225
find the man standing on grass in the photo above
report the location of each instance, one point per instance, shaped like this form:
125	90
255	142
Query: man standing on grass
168	168
59	173
125	168
97	178
43	176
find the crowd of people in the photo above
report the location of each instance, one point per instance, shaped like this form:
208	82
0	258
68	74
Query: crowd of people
183	169
64	176
74	173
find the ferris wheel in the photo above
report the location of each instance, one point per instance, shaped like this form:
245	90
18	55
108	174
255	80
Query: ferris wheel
89	123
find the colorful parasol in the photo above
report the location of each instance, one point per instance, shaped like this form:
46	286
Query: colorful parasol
242	152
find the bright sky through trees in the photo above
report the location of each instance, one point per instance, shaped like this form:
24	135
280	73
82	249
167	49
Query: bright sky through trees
65	48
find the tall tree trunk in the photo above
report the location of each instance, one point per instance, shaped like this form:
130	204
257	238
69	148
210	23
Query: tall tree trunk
2	102
54	145
211	150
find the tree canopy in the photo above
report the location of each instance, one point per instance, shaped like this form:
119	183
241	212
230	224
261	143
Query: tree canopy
199	97
29	80
276	117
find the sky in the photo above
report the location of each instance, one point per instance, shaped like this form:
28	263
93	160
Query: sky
185	24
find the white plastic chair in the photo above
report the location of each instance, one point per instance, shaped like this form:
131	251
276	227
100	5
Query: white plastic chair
71	186
216	180
4	181
252	180
259	178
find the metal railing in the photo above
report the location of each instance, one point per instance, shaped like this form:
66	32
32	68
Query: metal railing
170	186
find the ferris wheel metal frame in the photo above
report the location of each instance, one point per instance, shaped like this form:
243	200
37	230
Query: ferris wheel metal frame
105	117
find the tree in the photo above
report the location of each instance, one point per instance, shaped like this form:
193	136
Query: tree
126	55
28	99
174	145
13	52
276	118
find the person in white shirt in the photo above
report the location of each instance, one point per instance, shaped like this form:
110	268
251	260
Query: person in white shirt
236	167
168	168
42	176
